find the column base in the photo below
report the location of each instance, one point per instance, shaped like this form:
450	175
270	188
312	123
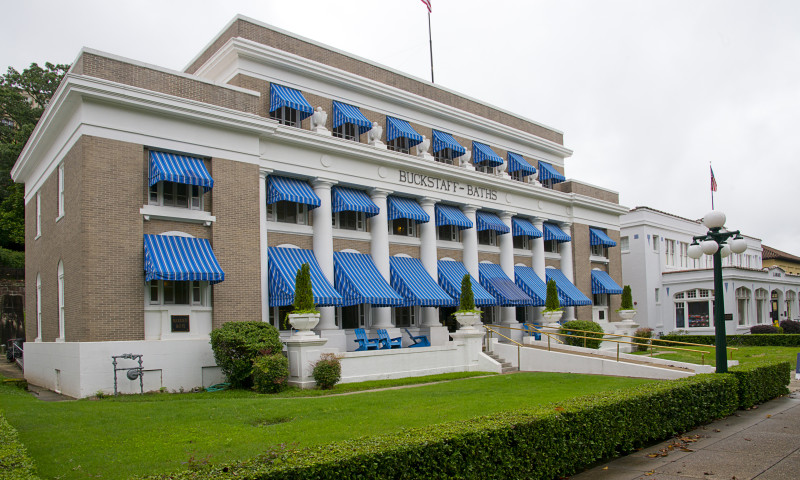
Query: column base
303	352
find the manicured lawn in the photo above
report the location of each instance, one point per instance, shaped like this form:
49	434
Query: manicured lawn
744	355
117	438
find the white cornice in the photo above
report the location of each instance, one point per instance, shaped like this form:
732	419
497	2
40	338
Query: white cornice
75	89
238	47
327	144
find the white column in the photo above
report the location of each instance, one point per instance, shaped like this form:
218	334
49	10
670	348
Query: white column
379	250
323	251
565	249
469	238
538	263
429	257
508	315
262	210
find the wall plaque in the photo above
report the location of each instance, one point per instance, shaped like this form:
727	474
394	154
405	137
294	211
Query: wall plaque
180	323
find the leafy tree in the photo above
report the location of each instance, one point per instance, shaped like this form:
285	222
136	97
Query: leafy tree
23	98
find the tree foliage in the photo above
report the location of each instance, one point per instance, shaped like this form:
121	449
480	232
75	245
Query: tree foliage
551	301
467	300
23	98
303	293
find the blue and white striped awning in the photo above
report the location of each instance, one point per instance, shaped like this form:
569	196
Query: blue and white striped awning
547	172
415	285
350	200
443	140
171	167
283	266
531	284
358	280
400	128
568	294
344	113
450	275
280	96
599	237
552	232
516	163
490	221
291	190
450	215
507	293
168	257
603	283
400	207
520	226
483	154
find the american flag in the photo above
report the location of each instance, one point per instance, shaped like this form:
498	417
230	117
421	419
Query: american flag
713	180
428	4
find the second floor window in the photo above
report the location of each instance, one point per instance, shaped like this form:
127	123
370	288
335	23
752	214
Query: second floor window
485	168
399	144
599	251
403	226
168	292
487	237
349	221
522	241
449	233
286	116
348	131
444	155
171	194
551	246
288	212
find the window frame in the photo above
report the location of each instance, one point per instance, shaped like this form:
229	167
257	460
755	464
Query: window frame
360	221
454	233
487	237
624	244
399	144
191	287
61	303
158	194
278	215
409	313
286	116
599	251
38	215
524	242
551	246
347	131
61	198
400	225
445	156
362	316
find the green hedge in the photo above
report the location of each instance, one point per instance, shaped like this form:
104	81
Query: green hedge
14	460
761	382
761	340
542	442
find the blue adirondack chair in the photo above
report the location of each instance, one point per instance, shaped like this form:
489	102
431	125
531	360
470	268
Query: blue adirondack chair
533	330
419	340
365	343
388	342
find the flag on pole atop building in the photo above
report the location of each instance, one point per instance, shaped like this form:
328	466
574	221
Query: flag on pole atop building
713	180
428	4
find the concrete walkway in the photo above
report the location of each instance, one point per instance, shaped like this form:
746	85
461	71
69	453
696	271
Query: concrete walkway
762	443
12	370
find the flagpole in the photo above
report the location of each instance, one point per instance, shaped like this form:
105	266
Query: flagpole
430	40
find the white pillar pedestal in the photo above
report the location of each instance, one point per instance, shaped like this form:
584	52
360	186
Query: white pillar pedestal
303	352
472	339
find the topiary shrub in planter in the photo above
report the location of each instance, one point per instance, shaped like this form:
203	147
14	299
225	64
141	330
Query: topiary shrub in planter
270	373
626	301
758	329
790	326
237	344
467	315
568	328
327	371
552	307
642	332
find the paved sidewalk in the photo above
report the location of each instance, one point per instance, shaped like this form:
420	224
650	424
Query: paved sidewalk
762	443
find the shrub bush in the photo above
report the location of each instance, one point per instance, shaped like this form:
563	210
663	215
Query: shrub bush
11	258
14	460
763	340
541	442
237	344
790	327
568	329
327	371
626	302
643	332
761	382
551	299
762	329
270	373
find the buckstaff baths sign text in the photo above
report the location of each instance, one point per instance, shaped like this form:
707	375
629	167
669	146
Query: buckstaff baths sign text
440	184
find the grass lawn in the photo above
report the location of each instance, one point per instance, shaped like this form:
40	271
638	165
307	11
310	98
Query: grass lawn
744	355
116	438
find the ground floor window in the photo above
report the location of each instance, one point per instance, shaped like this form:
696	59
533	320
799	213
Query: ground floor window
761	304
742	304
170	292
405	317
350	317
489	316
447	318
693	309
522	314
600	299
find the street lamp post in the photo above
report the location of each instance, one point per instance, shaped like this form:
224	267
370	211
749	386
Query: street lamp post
720	243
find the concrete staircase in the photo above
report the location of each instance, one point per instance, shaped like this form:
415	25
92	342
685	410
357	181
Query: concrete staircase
506	366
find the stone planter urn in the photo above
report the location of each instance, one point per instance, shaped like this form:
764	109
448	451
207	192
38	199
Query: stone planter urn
552	317
467	320
627	315
303	323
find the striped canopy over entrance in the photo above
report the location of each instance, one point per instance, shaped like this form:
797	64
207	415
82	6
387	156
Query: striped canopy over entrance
358	280
168	257
507	293
415	285
283	266
531	284
450	275
568	294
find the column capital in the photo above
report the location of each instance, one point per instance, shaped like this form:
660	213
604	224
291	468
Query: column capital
323	182
263	172
469	208
505	214
537	222
379	192
428	201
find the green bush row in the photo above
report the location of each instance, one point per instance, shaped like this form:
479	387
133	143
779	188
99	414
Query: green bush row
761	382
761	340
11	258
14	460
540	442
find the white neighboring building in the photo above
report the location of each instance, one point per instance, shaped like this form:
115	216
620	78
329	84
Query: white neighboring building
672	291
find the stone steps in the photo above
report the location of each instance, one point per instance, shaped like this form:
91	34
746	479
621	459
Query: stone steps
506	366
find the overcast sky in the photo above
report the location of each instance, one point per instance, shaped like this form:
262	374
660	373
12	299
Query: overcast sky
646	92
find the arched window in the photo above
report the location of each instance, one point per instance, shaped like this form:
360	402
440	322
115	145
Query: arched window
761	305
693	308
742	304
791	297
61	335
38	308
